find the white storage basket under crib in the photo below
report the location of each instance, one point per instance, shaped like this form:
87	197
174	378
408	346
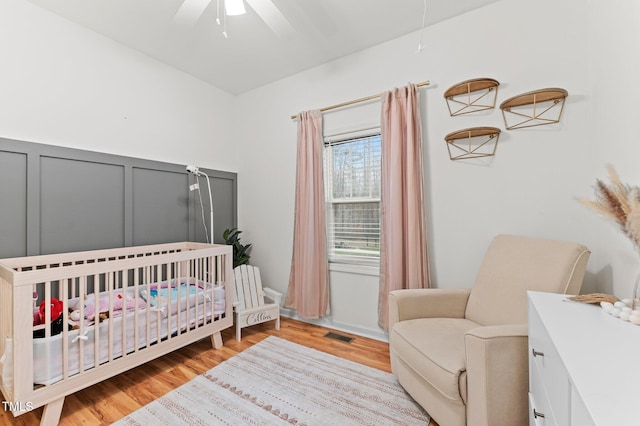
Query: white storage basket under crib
120	308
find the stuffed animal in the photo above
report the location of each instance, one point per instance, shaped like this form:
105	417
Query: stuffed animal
57	322
127	301
90	311
56	307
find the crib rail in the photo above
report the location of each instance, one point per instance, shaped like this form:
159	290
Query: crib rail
120	308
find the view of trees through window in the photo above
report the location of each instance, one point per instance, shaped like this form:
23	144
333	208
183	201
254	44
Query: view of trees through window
352	180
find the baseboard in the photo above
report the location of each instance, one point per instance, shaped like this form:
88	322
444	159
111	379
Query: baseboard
329	323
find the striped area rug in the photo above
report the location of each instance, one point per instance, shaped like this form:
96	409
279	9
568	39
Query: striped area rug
276	382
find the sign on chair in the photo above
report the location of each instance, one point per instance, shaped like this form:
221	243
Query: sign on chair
250	307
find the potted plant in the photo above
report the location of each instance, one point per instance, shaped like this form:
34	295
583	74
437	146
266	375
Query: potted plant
240	251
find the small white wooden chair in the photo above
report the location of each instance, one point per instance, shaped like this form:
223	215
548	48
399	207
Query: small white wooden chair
249	306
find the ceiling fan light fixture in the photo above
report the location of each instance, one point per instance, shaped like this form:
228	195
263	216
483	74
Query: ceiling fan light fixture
234	7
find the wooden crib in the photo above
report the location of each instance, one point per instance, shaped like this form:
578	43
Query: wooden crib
120	308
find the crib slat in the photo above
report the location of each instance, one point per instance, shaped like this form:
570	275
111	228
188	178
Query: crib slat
196	281
65	334
207	288
125	286
82	290
219	271
147	273
194	275
96	321
173	310
110	283
183	269
170	279
47	309
136	318
157	278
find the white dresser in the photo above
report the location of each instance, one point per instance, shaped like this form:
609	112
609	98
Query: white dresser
584	365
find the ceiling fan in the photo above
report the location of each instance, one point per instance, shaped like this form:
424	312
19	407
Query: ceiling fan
191	10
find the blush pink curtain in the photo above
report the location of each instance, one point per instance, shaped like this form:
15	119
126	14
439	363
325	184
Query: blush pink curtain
308	291
403	241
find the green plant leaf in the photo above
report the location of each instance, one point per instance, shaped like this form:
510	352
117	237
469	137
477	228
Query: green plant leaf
240	251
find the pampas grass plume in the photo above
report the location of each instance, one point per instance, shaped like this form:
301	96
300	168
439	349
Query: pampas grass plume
619	202
633	219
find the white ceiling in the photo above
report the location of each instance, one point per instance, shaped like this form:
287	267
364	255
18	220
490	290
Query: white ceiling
274	39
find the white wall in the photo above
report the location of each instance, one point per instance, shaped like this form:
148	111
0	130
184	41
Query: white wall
65	85
528	188
614	40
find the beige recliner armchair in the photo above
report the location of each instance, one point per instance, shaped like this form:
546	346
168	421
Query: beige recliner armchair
462	353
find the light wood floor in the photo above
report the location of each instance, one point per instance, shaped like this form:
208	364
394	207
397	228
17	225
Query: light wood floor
110	400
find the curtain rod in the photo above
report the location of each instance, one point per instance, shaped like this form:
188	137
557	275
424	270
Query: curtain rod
355	101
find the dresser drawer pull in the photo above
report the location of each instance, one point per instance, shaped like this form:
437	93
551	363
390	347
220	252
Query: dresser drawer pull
537	414
536	353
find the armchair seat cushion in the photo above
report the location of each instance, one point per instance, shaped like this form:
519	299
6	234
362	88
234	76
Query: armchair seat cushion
435	350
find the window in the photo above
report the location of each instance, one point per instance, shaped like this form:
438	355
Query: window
352	191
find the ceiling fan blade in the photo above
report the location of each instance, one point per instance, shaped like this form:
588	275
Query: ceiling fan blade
190	11
274	19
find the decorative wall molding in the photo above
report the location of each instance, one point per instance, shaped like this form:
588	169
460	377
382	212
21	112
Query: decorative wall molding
57	199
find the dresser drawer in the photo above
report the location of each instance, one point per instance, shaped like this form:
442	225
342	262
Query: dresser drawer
546	367
540	412
579	413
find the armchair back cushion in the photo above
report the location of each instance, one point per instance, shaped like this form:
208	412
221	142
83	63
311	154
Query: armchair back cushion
514	264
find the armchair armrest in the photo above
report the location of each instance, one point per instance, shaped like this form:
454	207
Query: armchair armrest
497	375
273	295
427	303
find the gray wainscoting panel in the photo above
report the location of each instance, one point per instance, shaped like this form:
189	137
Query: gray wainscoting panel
57	199
13	204
160	206
224	213
223	188
81	205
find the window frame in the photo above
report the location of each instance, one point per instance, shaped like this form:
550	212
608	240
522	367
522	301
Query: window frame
329	141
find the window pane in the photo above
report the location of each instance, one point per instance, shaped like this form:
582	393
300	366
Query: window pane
354	229
355	168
